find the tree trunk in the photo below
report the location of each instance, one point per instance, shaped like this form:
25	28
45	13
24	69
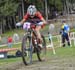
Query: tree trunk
1	28
3	25
14	21
9	23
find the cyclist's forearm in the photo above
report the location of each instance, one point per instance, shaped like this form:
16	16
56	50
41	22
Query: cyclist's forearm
44	21
22	21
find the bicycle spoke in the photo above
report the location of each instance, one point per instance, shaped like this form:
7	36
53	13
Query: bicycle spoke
27	50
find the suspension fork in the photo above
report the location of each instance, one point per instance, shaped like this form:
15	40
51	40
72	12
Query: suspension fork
31	47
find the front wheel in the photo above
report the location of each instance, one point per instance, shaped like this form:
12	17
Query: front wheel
27	50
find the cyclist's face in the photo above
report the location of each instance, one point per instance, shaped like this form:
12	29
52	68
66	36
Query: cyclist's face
32	16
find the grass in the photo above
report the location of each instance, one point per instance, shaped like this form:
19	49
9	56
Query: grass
11	32
73	30
9	60
63	52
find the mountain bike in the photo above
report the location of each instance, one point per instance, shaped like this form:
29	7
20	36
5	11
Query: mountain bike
30	46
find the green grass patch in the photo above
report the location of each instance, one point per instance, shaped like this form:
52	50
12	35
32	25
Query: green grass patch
73	30
11	32
9	60
63	52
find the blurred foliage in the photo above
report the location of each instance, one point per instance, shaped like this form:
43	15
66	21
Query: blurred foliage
8	7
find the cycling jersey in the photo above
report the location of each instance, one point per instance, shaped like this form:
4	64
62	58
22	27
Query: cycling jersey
65	34
65	29
9	39
36	19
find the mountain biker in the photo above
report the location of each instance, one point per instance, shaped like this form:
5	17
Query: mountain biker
33	16
65	29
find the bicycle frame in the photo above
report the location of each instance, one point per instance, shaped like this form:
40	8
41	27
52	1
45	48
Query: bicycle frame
33	41
30	33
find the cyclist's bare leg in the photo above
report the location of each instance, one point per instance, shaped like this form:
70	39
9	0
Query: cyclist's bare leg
38	33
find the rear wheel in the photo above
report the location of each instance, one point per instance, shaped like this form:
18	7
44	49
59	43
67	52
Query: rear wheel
42	50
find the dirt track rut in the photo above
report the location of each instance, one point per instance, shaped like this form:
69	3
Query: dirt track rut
49	64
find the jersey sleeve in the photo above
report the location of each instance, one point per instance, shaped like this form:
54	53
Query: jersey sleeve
38	14
26	16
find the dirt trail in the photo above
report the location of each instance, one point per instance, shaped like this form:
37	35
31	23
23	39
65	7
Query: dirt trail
49	64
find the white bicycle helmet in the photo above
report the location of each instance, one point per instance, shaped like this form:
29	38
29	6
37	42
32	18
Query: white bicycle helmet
31	10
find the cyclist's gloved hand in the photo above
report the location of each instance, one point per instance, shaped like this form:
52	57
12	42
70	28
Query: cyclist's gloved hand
18	24
45	23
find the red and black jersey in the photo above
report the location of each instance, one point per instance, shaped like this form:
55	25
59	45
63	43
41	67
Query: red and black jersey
37	18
